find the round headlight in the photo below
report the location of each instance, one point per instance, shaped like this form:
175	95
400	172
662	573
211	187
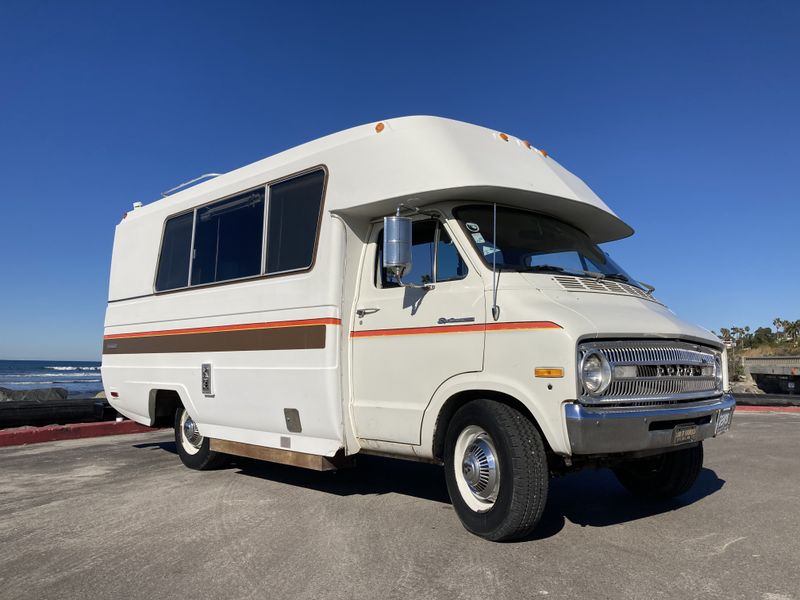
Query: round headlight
595	373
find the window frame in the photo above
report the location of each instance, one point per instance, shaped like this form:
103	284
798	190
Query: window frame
264	240
378	277
161	250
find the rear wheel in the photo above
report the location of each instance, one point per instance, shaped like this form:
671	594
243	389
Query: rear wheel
496	470
193	449
662	476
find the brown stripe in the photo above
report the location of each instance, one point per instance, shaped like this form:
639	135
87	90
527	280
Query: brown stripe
217	328
303	337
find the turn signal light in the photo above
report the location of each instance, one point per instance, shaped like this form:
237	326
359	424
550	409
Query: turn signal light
548	372
379	127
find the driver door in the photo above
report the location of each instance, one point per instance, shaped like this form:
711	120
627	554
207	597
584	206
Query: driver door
407	341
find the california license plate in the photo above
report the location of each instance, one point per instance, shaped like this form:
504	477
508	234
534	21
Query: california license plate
723	421
683	434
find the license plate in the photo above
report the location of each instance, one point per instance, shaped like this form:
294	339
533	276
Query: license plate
683	434
723	421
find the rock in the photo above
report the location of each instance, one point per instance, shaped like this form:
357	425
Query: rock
39	395
745	387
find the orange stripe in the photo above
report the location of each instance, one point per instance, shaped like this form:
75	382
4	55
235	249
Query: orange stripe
240	327
522	325
457	329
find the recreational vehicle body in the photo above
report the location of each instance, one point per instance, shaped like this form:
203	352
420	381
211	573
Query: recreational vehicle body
419	288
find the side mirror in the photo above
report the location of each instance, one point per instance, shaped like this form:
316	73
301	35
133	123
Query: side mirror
397	245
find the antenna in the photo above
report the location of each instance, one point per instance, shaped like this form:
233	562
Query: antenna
183	185
495	308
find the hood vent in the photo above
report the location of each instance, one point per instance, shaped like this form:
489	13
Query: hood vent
606	286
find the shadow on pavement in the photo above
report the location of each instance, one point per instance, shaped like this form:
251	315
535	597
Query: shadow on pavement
589	498
168	446
372	475
594	498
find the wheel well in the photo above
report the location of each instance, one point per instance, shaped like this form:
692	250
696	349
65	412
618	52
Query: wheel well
460	399
165	403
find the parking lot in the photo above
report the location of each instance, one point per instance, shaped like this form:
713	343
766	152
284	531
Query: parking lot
120	517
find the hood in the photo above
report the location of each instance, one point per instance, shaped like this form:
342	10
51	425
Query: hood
610	315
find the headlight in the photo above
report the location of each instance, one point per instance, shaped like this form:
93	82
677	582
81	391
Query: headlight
595	373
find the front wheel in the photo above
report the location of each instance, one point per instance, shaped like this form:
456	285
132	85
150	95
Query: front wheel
663	476
496	470
194	449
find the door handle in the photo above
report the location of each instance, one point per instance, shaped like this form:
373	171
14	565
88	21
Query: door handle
361	312
445	320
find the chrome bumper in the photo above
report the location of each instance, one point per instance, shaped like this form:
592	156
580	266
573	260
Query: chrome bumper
598	430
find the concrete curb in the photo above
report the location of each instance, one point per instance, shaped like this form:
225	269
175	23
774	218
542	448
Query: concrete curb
767	399
51	433
767	409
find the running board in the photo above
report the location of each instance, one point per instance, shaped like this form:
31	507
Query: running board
314	462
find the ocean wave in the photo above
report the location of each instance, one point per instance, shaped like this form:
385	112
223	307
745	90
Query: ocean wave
49	383
11	375
73	368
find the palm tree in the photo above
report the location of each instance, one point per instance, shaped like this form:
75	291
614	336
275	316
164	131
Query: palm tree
792	329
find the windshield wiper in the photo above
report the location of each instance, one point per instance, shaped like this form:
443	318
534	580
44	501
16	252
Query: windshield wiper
543	268
618	276
555	269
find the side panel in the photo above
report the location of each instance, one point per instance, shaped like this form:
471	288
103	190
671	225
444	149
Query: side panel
272	344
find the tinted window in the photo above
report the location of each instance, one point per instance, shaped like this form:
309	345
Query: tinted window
450	265
173	264
228	239
294	208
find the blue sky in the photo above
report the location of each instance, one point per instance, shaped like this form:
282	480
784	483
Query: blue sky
683	116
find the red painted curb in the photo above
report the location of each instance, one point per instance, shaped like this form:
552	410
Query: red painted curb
768	409
34	435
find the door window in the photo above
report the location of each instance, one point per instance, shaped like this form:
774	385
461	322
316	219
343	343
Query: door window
425	252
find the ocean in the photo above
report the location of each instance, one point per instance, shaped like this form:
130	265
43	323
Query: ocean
77	377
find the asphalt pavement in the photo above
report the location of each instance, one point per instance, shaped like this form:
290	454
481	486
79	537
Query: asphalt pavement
120	517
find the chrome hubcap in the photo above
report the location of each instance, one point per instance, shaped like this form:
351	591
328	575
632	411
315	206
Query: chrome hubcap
191	433
480	468
479	475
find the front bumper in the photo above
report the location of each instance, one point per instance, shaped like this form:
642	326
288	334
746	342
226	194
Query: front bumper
598	430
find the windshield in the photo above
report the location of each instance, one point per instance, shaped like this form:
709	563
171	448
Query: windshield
532	242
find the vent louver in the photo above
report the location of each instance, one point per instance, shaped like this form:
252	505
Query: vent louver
605	286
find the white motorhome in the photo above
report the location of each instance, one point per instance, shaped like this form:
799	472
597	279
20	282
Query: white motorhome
419	288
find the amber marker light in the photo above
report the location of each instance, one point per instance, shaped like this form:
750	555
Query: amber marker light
379	127
542	152
503	136
527	144
548	372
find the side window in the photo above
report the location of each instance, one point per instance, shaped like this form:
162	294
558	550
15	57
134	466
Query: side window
424	251
228	239
173	263
294	208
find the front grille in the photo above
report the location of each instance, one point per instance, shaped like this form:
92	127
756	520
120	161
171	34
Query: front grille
647	373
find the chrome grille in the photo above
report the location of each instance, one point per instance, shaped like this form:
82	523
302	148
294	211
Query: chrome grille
647	373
